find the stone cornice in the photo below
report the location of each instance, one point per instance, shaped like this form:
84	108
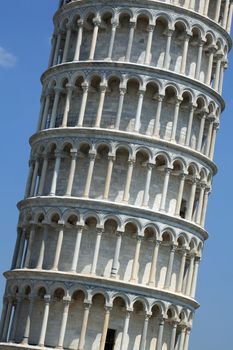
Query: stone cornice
115	208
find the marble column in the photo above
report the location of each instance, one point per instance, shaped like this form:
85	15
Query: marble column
175	120
153	267
190	125
43	124
201	131
16	250
134	273
213	140
6	326
225	13
173	336
206	8
52	51
168	277
144	332
58	44
185	53
82	338
195	274
58	92
58	247
146	194
92	155
29	179
69	89
79	40
212	50
156	129
3	314
43	331
67	43
115	24
151	29
42	247
15	320
21	248
30	244
96	22
131	163
77	249
180	194
115	264
132	26
189	212
99	233
105	327
182	270
66	301
43	175
120	107
103	89
182	337
200	204
160	334
229	20
57	165
165	189
205	203
219	57
111	159
85	87
26	333
199	59
137	125
190	275
168	48
34	179
217	11
73	163
187	337
125	331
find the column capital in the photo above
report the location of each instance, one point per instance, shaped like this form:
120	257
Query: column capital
70	87
168	32
47	298
80	23
114	22
151	27
66	300
97	21
58	90
132	23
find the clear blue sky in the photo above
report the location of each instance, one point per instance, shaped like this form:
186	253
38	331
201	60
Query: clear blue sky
26	27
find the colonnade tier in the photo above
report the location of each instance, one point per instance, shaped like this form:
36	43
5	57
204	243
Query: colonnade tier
158	37
157	108
67	315
219	11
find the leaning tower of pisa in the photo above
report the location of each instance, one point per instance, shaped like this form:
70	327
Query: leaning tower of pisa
111	229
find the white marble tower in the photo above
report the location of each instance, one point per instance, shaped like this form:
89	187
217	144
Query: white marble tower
111	229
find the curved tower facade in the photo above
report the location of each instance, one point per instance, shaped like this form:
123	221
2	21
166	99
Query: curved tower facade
111	229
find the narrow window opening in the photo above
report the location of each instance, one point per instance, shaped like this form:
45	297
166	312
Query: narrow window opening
110	339
183	208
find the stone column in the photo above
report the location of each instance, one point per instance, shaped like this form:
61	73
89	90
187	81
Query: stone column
165	189
189	212
45	113
15	319
205	202
168	277
43	175
168	47
26	333
112	40
34	178
58	44
67	43
180	194
181	272
120	107
103	89
151	28
99	233
66	301
42	248
79	40
115	264
111	159
53	47
175	120
131	163
206	8
192	5
146	193
71	176
42	106
156	129
225	14
125	330
21	248
201	132
70	89
55	107
160	334
82	338
29	179
213	141
217	12
55	174
85	87
212	50
105	327
77	249
173	336
29	250
200	204
47	300
195	274
92	155
182	337
154	264
134	273
139	110
199	59
5	331
187	337
190	125
132	25
58	247
16	250
3	315
185	53
96	22
144	332
190	275
219	56
229	20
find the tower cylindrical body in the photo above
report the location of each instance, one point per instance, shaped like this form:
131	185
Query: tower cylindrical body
111	229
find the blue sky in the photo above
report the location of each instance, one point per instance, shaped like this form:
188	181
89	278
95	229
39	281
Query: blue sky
26	27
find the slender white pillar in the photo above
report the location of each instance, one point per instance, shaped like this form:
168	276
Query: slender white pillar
201	132
134	273
58	248
30	244
16	250
120	107
67	44
192	4
182	338
43	175
185	53
66	301
156	129
144	332
53	47
96	22
146	193
189	212
168	48
204	209
151	28
112	40
42	247
34	178
105	327
82	338
154	264
175	120
190	275
77	249
43	124
42	106
115	264
47	300
165	189
229	20
168	277
160	334
79	40
187	337
211	120
71	176
16	320
182	270
92	155
3	314
26	333
195	274
225	14
85	87
29	179
57	165
199	60
103	89
58	44
99	233
111	159
5	331
180	194
190	125
125	331
217	11
70	89
139	110
219	56
132	26
173	336
213	141
206	8
55	107
212	50
21	249
131	163
200	203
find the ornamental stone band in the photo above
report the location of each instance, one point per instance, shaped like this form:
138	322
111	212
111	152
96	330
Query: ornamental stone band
111	228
